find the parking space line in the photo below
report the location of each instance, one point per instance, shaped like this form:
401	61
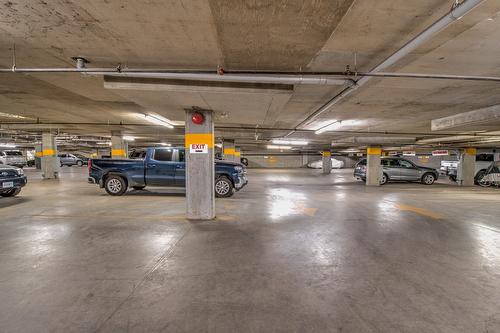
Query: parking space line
420	211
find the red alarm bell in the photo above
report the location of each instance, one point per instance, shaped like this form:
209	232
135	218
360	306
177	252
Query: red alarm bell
197	118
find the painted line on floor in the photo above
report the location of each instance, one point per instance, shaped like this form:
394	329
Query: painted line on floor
420	211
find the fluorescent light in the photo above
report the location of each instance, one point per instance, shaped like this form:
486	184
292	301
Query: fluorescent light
104	143
290	142
128	138
7	145
336	124
165	144
158	120
278	147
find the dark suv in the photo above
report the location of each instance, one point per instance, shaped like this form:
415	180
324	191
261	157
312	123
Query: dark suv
12	179
399	169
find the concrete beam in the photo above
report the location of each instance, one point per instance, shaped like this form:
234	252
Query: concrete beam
489	114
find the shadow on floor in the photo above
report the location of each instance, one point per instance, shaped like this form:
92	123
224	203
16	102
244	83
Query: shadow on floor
9	202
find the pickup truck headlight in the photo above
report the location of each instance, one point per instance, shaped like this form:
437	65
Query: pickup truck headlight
20	172
238	168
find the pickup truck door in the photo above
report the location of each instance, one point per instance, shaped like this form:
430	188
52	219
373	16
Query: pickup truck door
180	168
160	168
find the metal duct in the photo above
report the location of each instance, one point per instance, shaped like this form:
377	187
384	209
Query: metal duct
365	140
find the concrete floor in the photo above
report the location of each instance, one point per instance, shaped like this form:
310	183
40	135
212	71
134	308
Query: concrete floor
295	251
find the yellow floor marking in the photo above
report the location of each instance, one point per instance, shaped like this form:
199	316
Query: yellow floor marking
420	211
306	210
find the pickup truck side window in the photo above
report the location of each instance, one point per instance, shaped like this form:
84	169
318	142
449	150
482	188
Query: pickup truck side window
164	155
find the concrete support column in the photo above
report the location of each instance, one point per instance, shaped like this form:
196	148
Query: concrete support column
327	162
228	150
38	156
467	167
119	147
237	155
496	157
373	167
200	167
49	160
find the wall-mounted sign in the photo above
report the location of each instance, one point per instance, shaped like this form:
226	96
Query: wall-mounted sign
440	153
409	153
359	154
198	148
393	153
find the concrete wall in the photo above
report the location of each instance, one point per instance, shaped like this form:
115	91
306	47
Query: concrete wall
430	161
292	161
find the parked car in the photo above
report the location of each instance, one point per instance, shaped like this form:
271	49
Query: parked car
160	167
12	157
70	160
399	169
12	179
450	169
84	158
336	164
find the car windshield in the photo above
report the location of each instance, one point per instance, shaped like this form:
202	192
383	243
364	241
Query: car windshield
13	153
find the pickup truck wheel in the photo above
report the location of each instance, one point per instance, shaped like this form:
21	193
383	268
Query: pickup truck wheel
115	185
223	187
428	179
79	163
11	193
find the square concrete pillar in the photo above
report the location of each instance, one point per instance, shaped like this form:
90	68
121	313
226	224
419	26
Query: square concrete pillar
237	155
467	167
49	160
327	162
38	156
200	167
119	147
373	167
228	150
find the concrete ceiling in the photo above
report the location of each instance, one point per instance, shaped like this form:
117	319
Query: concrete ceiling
255	35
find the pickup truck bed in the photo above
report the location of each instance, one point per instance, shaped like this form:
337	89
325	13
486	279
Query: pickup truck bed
160	167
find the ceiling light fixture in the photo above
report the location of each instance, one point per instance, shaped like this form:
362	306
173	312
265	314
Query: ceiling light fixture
159	120
7	145
278	147
335	124
290	142
128	138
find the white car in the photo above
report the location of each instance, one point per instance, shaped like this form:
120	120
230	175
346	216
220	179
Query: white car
336	164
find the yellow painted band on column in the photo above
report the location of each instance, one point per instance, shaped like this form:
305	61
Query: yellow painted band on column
118	152
229	151
48	152
327	153
237	154
471	151
38	154
374	151
206	138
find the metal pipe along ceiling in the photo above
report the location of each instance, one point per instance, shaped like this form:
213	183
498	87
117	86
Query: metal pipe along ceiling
456	13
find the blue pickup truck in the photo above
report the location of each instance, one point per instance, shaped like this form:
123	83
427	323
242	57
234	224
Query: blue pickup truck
160	167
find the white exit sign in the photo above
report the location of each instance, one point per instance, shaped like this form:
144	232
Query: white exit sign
198	148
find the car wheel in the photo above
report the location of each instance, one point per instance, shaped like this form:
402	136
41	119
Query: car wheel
453	178
11	193
79	163
384	179
115	185
428	179
223	187
480	175
138	188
